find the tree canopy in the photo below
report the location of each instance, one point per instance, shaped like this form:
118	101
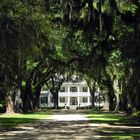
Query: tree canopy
42	39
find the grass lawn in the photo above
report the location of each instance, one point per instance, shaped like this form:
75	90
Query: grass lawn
11	120
115	125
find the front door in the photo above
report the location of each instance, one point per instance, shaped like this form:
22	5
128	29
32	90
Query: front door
73	101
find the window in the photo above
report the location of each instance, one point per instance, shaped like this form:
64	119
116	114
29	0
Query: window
85	99
51	99
62	89
44	100
85	89
73	89
62	99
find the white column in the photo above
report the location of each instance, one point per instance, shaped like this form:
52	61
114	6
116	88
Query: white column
78	90
89	96
68	103
68	95
49	100
88	100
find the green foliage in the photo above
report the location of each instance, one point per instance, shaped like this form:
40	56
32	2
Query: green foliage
80	45
94	37
57	44
30	64
128	6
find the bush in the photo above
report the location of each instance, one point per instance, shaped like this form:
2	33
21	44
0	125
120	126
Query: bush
2	108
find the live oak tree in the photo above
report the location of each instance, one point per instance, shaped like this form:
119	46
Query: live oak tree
101	23
22	29
73	33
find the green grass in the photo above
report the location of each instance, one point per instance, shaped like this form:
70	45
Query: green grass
113	118
125	125
12	120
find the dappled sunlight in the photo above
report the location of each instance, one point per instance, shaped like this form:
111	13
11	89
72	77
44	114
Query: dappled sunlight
73	126
111	119
106	125
25	127
36	115
71	117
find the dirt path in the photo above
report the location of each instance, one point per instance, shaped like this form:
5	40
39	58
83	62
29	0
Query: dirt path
59	127
68	117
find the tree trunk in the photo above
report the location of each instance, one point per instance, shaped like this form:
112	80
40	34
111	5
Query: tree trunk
106	103
111	97
93	99
18	101
9	102
92	87
56	100
27	98
111	93
36	99
117	102
112	102
123	102
100	17
137	97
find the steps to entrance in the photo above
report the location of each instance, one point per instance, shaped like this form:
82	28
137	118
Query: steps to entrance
73	107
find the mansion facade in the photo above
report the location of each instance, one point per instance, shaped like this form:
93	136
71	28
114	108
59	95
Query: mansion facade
71	94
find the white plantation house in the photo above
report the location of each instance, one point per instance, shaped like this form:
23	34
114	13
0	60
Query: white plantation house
71	94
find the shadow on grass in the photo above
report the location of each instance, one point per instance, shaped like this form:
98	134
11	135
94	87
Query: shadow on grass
114	118
130	133
39	113
115	125
71	130
12	122
119	133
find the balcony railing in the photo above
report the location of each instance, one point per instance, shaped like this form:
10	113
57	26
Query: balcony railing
74	94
